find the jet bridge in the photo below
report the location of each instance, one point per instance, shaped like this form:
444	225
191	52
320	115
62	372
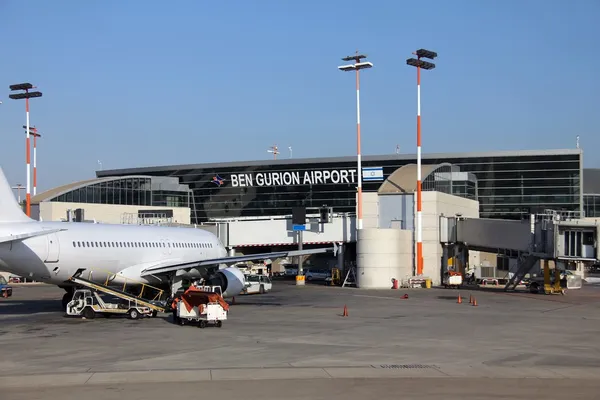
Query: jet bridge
548	236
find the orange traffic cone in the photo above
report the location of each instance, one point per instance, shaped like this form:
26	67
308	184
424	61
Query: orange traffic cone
459	299
345	314
405	296
474	301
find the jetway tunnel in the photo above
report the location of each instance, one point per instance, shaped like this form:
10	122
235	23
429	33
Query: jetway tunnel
542	237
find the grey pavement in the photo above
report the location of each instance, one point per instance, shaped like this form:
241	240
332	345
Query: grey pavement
299	333
321	389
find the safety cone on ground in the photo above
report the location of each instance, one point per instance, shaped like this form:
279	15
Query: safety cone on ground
345	314
459	301
405	296
474	301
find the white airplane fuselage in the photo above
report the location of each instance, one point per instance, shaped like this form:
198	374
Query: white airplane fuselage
124	250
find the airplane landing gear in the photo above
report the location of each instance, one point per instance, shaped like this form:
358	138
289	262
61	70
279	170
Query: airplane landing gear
67	298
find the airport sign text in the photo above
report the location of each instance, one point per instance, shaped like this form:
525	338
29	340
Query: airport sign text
322	177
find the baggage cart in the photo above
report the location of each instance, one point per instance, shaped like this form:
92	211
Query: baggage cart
199	307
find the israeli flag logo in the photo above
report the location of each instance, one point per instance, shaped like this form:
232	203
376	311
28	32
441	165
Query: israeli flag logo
372	174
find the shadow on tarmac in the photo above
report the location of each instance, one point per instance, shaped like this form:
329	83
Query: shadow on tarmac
27	307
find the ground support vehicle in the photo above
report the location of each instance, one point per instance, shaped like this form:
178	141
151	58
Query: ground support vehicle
200	307
452	279
5	289
257	284
87	303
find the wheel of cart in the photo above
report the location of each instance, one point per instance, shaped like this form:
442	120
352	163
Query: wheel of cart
133	313
202	324
219	324
88	313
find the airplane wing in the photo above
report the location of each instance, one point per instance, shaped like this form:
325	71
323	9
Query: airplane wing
23	236
232	260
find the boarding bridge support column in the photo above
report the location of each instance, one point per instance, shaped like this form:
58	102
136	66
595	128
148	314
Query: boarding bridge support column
340	257
444	261
300	277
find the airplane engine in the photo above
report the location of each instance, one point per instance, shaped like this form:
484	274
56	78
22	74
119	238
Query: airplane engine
230	279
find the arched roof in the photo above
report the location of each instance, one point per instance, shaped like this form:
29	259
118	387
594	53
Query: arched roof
57	191
404	179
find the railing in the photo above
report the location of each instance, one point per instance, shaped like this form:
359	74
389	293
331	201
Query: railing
110	276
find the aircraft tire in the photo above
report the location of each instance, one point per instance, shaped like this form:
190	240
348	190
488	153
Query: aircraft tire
67	297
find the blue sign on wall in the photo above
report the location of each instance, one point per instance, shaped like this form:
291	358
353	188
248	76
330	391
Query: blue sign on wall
299	227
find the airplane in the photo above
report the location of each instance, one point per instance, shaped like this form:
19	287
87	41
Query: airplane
52	252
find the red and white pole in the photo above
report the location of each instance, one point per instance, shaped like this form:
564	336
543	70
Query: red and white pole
28	161
358	153
35	136
419	200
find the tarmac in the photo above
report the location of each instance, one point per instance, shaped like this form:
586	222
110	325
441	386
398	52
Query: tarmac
296	340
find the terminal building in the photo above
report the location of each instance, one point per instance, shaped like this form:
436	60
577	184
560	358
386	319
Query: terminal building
248	205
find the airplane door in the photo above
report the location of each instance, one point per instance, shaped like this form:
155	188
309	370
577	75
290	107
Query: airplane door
53	248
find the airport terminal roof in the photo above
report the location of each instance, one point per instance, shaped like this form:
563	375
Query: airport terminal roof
57	191
365	158
404	179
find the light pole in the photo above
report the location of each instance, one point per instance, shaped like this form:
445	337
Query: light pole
33	131
18	96
290	148
417	62
357	66
18	189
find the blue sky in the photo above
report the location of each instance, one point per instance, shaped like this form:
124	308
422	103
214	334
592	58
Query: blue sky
138	83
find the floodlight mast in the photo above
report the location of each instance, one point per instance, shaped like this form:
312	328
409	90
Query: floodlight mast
421	53
357	66
18	96
33	131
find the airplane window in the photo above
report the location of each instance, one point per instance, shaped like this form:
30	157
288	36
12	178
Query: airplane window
73	244
78	244
100	245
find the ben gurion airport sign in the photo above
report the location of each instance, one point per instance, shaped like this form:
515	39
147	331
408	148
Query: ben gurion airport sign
316	177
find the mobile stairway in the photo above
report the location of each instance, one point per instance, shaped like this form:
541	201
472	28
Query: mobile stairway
156	303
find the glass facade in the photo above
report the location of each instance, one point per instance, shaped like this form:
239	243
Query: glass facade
591	205
134	191
508	185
